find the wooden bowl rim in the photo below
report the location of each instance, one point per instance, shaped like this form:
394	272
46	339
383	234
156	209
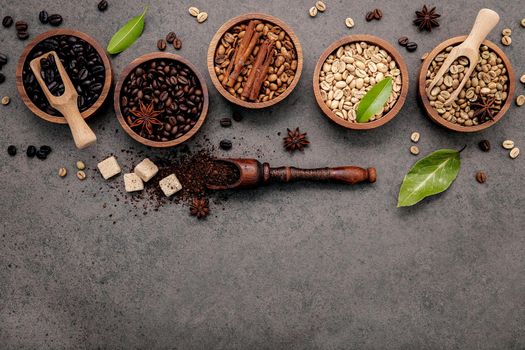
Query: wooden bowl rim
214	44
371	39
150	57
431	112
72	32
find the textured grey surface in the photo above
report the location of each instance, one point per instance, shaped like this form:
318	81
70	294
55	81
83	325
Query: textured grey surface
285	267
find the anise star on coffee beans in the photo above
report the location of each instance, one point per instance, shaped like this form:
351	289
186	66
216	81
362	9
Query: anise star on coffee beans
146	117
199	207
427	19
485	109
295	140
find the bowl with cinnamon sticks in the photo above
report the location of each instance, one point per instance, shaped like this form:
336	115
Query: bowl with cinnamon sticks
255	60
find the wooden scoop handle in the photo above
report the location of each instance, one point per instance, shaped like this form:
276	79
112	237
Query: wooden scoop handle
485	22
82	134
345	174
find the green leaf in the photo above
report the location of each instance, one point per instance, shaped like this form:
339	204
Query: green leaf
128	34
430	175
374	100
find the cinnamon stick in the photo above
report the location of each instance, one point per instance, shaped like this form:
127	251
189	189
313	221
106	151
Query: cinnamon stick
245	48
256	69
261	73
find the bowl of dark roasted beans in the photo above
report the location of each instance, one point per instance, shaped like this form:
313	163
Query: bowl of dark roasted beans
85	62
161	100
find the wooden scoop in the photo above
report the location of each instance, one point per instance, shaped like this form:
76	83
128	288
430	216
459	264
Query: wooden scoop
485	22
255	174
66	103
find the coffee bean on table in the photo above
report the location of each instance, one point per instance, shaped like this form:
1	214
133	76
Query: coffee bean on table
177	44
226	122
225	144
481	177
7	21
21	26
170	38
31	151
411	46
369	16
55	20
161	44
378	14
41	155
403	41
11	150
102	5
45	149
484	145
237	116
43	16
2	78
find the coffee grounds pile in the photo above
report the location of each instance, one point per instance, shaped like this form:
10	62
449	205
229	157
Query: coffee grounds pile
223	173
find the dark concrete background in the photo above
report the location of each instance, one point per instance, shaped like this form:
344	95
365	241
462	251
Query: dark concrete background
305	266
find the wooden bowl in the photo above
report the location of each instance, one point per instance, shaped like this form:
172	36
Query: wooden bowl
122	78
215	43
402	94
434	115
102	53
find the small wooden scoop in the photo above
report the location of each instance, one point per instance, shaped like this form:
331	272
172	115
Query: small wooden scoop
485	22
254	174
66	103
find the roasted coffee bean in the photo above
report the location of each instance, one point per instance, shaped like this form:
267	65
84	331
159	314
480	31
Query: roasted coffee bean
484	145
43	16
31	151
2	78
481	177
369	16
21	26
403	41
55	19
226	122
41	155
411	46
225	145
177	44
23	35
102	5
378	14
45	149
161	44
170	38
11	150
7	21
3	59
237	116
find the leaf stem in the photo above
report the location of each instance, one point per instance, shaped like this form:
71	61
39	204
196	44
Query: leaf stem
461	150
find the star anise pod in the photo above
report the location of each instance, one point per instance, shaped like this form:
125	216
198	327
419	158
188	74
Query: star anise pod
295	140
427	19
485	109
199	207
145	117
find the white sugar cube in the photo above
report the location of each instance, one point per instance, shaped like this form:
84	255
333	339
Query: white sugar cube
109	167
146	170
170	185
133	182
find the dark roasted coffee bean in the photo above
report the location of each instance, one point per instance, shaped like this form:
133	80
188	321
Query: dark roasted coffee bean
31	151
102	5
41	155
170	38
11	150
43	16
237	116
161	44
177	44
7	21
3	59
378	14
225	144
484	145
481	177
411	46
45	149
55	20
226	122
2	78
23	35
403	41
21	26
369	16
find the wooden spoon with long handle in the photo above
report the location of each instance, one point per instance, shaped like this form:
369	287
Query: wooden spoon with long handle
66	103
485	22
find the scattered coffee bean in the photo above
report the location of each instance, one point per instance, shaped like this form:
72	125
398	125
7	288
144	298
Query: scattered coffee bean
484	145
3	59
194	11
313	11
415	137
403	41
201	17
225	144
5	100
45	149
411	46
320	6
102	5
161	44
23	35
378	14
349	22
80	165
43	16
62	172
170	38
2	78
506	40
31	151
81	175
226	122
514	153
481	177
11	150
41	155
237	116
506	32
177	44
21	26
414	150
508	144
520	100
55	20
369	16
7	21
